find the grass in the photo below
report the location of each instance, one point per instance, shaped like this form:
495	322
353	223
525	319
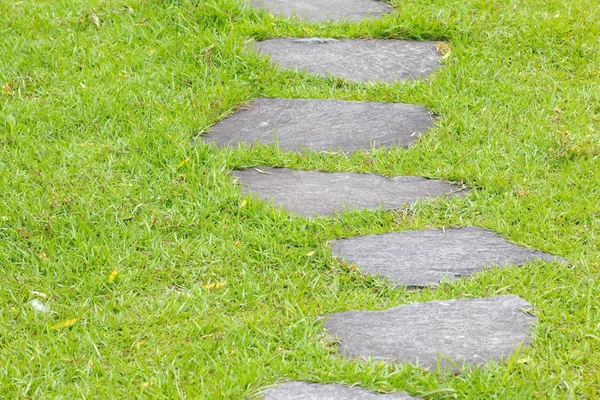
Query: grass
97	175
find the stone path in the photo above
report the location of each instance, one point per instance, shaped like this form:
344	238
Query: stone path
465	331
354	59
319	391
425	257
319	10
314	193
449	332
320	125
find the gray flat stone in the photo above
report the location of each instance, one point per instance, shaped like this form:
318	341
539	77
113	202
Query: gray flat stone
319	10
354	59
425	257
470	331
315	193
322	124
321	391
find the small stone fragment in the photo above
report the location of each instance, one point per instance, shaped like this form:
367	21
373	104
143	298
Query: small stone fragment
315	193
354	59
322	391
425	257
321	125
470	331
319	10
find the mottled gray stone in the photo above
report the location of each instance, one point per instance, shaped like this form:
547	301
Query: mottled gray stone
315	193
354	59
425	257
470	331
325	10
321	391
322	124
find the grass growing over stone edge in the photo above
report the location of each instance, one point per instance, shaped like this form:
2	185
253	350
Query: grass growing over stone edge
97	175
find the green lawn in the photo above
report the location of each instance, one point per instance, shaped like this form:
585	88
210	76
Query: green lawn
98	174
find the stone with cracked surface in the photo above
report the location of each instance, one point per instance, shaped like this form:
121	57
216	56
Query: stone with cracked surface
425	257
322	125
320	391
315	193
466	331
354	59
325	10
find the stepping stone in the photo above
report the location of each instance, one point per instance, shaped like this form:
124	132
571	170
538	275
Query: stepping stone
315	193
425	257
319	10
322	124
469	331
355	59
321	391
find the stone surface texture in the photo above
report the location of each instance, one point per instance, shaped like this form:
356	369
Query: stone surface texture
324	10
315	193
321	391
468	331
322	125
425	257
354	59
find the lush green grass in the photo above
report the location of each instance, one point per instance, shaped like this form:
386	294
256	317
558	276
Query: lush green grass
97	175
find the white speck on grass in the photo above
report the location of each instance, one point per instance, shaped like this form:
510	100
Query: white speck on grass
39	307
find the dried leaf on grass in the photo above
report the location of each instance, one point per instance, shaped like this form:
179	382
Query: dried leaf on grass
214	286
95	20
444	50
113	275
65	324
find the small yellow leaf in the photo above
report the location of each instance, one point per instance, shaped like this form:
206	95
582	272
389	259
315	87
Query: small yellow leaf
139	344
6	88
237	244
113	275
43	256
146	385
522	193
65	323
181	164
40	294
444	50
310	254
243	203
95	20
214	286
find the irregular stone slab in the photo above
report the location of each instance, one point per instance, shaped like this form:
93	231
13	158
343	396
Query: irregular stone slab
469	331
319	10
321	391
322	124
425	257
315	193
355	59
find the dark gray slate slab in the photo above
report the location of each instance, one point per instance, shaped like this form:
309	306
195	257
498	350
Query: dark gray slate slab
425	257
325	10
468	331
354	59
315	193
321	391
322	124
